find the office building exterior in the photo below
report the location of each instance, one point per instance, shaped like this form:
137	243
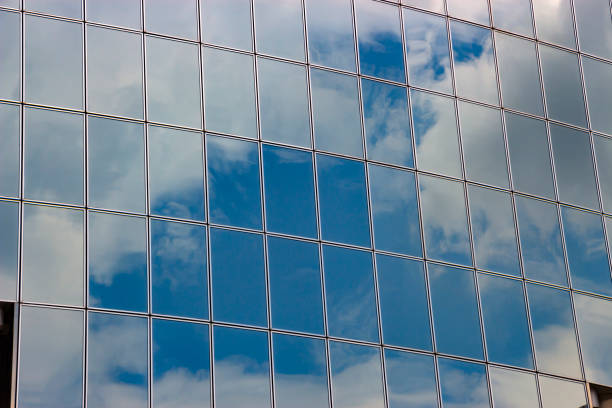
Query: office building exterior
305	203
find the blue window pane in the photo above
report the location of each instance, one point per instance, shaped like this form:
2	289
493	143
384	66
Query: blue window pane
411	380
444	220
177	19
403	302
387	123
455	311
336	115
350	294
10	67
122	13
116	164
181	364
242	368
300	372
117	360
505	321
279	28
538	223
10	147
463	384
62	8
178	269
395	212
380	40
330	40
343	201
9	249
552	323
227	23
289	191
233	182
586	251
350	362
427	51
513	15
512	388
493	231
176	173
238	277
117	262
295	285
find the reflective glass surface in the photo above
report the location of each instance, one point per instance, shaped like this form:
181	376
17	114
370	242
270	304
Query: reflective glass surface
603	155
279	28
9	249
411	380
554	21
513	389
227	23
471	10
123	13
63	8
556	393
598	84
10	147
10	55
436	6
178	19
594	27
513	15
463	384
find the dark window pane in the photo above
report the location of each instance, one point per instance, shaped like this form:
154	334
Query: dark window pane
178	269
350	294
10	147
456	378
9	249
10	55
411	380
233	182
178	19
238	277
554	21
62	8
279	28
558	393
123	13
598	84
512	388
227	23
513	15
603	155
594	27
471	10
343	200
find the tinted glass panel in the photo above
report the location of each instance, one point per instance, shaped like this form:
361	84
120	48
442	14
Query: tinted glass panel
117	262
51	371
436	6
289	191
178	269
594	27
63	8
557	393
463	384
513	15
295	285
343	201
53	62
10	146
471	10
238	277
411	380
603	155
233	182
9	249
53	241
513	389
554	21
279	28
176	174
227	23
10	54
598	84
125	13
387	123
178	19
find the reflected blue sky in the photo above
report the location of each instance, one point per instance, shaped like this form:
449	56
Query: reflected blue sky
10	69
10	140
9	249
463	384
411	380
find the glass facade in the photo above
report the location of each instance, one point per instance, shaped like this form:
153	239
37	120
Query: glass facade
307	203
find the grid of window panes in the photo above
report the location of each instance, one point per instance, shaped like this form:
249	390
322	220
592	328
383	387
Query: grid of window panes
307	203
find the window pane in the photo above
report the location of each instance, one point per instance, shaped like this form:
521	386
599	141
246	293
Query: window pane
229	93
10	55
295	285
114	72
117	361
427	51
483	144
518	74
395	212
411	380
435	134
238	277
471	10
474	63
53	62
348	363
330	33
380	40
598	84
227	23
178	19
586	251
289	191
603	155
557	393
283	102
529	155
11	3
343	201
456	378
552	323
538	224
563	87
279	28
173	82
493	231
181	364
336	115
176	173
178	269
513	388
117	262
116	164
513	15
554	21
437	6
123	13
594	27
300	372
242	368
62	8
233	182
9	249
51	370
444	220
455	311
10	147
387	123
53	241
403	302
505	321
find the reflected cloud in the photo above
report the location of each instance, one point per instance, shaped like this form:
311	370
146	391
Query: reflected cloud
178	19
464	385
227	23
554	21
9	249
411	380
513	389
471	10
10	70
182	387
513	15
279	28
